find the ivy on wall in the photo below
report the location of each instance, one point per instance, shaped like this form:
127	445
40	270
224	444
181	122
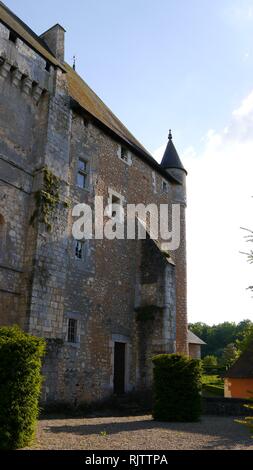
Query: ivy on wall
47	199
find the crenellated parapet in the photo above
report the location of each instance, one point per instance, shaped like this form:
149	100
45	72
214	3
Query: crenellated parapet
24	68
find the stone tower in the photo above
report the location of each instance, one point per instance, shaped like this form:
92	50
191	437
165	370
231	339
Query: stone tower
173	165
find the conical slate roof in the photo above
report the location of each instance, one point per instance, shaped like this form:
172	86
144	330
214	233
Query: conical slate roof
171	159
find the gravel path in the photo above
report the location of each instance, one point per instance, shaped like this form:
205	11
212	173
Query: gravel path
140	433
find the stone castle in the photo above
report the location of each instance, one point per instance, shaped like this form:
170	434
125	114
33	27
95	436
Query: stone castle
104	306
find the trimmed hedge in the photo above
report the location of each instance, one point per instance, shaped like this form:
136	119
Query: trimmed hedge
177	388
20	384
216	390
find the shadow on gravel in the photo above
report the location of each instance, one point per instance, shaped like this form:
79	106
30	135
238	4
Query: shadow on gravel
224	432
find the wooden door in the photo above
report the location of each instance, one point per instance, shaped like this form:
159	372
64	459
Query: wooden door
119	368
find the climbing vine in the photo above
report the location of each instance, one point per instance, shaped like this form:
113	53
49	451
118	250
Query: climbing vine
47	199
147	312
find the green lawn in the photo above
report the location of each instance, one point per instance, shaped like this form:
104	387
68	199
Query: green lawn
212	385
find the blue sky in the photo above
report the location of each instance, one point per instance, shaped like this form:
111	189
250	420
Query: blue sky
188	65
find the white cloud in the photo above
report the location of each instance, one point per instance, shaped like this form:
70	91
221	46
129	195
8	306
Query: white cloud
220	190
246	107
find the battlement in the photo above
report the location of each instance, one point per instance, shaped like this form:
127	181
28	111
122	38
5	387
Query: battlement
25	68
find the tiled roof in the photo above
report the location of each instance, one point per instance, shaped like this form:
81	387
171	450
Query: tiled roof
243	367
194	339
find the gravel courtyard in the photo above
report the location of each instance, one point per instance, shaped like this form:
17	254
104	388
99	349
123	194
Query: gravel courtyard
140	433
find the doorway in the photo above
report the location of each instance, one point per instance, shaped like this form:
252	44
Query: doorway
119	368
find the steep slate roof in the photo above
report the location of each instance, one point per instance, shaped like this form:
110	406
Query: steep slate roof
87	99
82	95
243	367
171	159
85	96
26	34
194	339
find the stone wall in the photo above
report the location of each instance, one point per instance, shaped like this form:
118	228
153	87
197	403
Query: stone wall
195	351
25	86
226	406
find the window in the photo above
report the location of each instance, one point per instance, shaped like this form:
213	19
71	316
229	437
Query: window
124	155
165	187
82	175
114	211
115	200
48	66
80	249
72	330
13	37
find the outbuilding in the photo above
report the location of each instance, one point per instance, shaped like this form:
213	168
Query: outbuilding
238	380
195	344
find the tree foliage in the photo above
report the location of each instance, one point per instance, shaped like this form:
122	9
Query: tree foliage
229	355
218	337
246	338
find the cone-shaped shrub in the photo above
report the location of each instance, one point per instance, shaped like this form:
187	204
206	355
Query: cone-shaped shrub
20	383
177	388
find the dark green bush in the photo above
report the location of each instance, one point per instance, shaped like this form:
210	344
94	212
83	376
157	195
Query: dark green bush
177	388
20	383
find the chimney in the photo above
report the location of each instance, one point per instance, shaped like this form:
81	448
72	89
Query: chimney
55	40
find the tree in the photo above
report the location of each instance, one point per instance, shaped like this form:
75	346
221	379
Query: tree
229	356
219	336
246	338
210	362
248	332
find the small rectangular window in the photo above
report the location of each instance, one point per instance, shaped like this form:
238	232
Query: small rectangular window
80	249
82	175
13	37
165	187
124	154
115	208
72	330
115	201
